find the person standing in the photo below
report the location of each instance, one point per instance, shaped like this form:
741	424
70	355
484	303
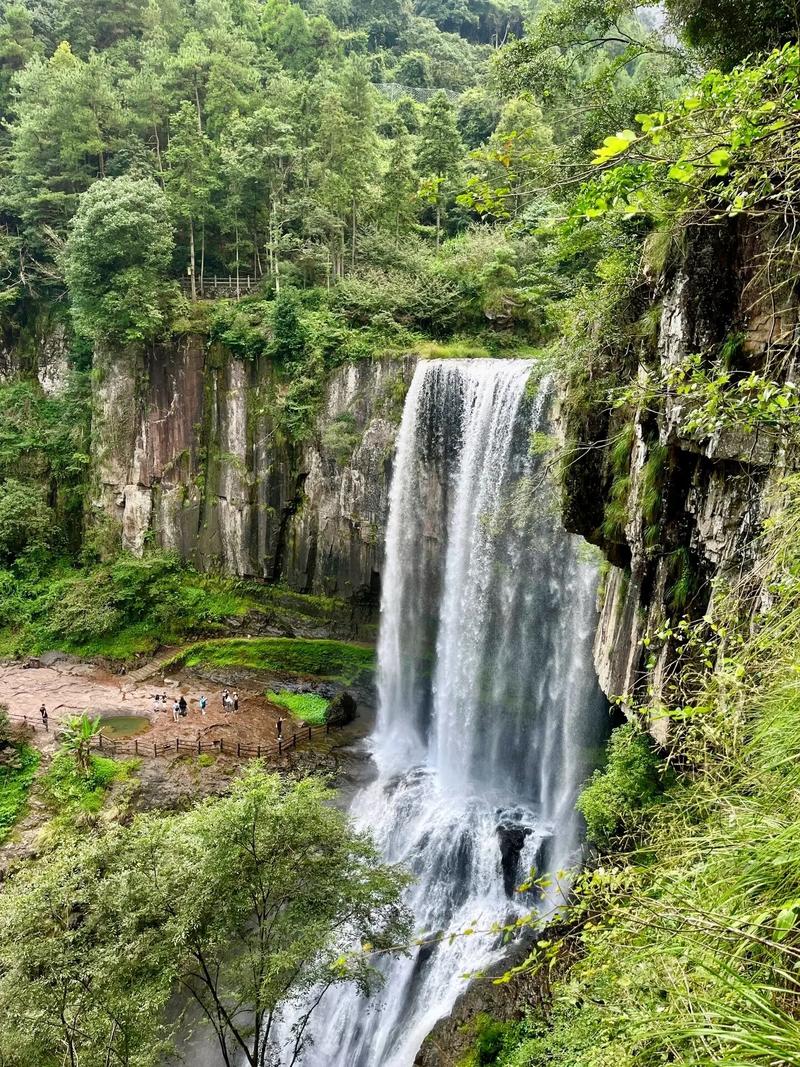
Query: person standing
279	727
235	701
224	699
203	703
183	705
43	713
176	711
164	701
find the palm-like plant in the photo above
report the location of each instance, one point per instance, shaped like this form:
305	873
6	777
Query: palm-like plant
78	739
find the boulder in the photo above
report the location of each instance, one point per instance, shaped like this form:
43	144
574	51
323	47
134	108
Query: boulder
342	710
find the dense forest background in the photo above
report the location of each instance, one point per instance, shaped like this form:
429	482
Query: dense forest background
466	179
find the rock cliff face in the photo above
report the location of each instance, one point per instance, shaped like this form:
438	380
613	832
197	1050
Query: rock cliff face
187	456
712	493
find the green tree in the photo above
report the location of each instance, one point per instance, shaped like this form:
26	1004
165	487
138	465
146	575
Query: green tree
17	45
79	734
192	178
400	181
25	519
439	155
117	258
727	31
244	903
515	165
68	117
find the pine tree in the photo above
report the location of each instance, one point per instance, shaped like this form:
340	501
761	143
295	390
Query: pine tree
439	156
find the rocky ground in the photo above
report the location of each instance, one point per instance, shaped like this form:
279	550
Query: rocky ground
68	687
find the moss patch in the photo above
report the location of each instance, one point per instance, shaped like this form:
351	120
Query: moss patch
305	707
333	660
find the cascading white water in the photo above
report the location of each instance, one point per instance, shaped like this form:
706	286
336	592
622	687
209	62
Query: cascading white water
488	704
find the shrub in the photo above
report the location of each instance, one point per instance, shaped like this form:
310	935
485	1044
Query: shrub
629	782
26	522
17	770
342	437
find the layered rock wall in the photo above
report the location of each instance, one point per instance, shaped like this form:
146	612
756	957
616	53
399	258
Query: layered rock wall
188	456
713	490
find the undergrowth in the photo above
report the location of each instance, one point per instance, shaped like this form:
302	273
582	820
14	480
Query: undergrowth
132	606
17	769
70	793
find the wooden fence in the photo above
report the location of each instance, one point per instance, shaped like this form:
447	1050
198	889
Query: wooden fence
140	746
230	287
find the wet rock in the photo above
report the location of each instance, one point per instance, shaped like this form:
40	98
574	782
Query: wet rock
342	710
512	837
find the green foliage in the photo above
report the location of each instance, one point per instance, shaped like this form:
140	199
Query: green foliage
97	935
79	733
18	764
629	782
341	437
71	790
491	1039
26	522
322	659
133	605
616	509
116	260
727	31
306	707
721	148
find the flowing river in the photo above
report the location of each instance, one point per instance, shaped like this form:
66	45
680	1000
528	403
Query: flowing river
489	710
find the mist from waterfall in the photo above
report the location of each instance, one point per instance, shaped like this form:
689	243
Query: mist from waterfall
489	710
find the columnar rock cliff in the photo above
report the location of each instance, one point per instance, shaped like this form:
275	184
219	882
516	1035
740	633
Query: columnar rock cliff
714	491
187	456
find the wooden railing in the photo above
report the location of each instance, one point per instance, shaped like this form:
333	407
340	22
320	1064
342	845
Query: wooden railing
137	746
217	288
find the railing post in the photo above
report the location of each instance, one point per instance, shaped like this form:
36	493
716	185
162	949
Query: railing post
259	751
136	745
327	728
198	744
155	749
294	739
238	748
177	742
100	739
222	744
309	734
280	746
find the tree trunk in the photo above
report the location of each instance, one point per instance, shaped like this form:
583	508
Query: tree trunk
203	259
158	155
236	239
192	266
353	235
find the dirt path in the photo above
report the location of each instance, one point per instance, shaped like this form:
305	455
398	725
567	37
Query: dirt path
68	689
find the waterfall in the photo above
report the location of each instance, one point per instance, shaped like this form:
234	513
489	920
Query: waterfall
489	709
